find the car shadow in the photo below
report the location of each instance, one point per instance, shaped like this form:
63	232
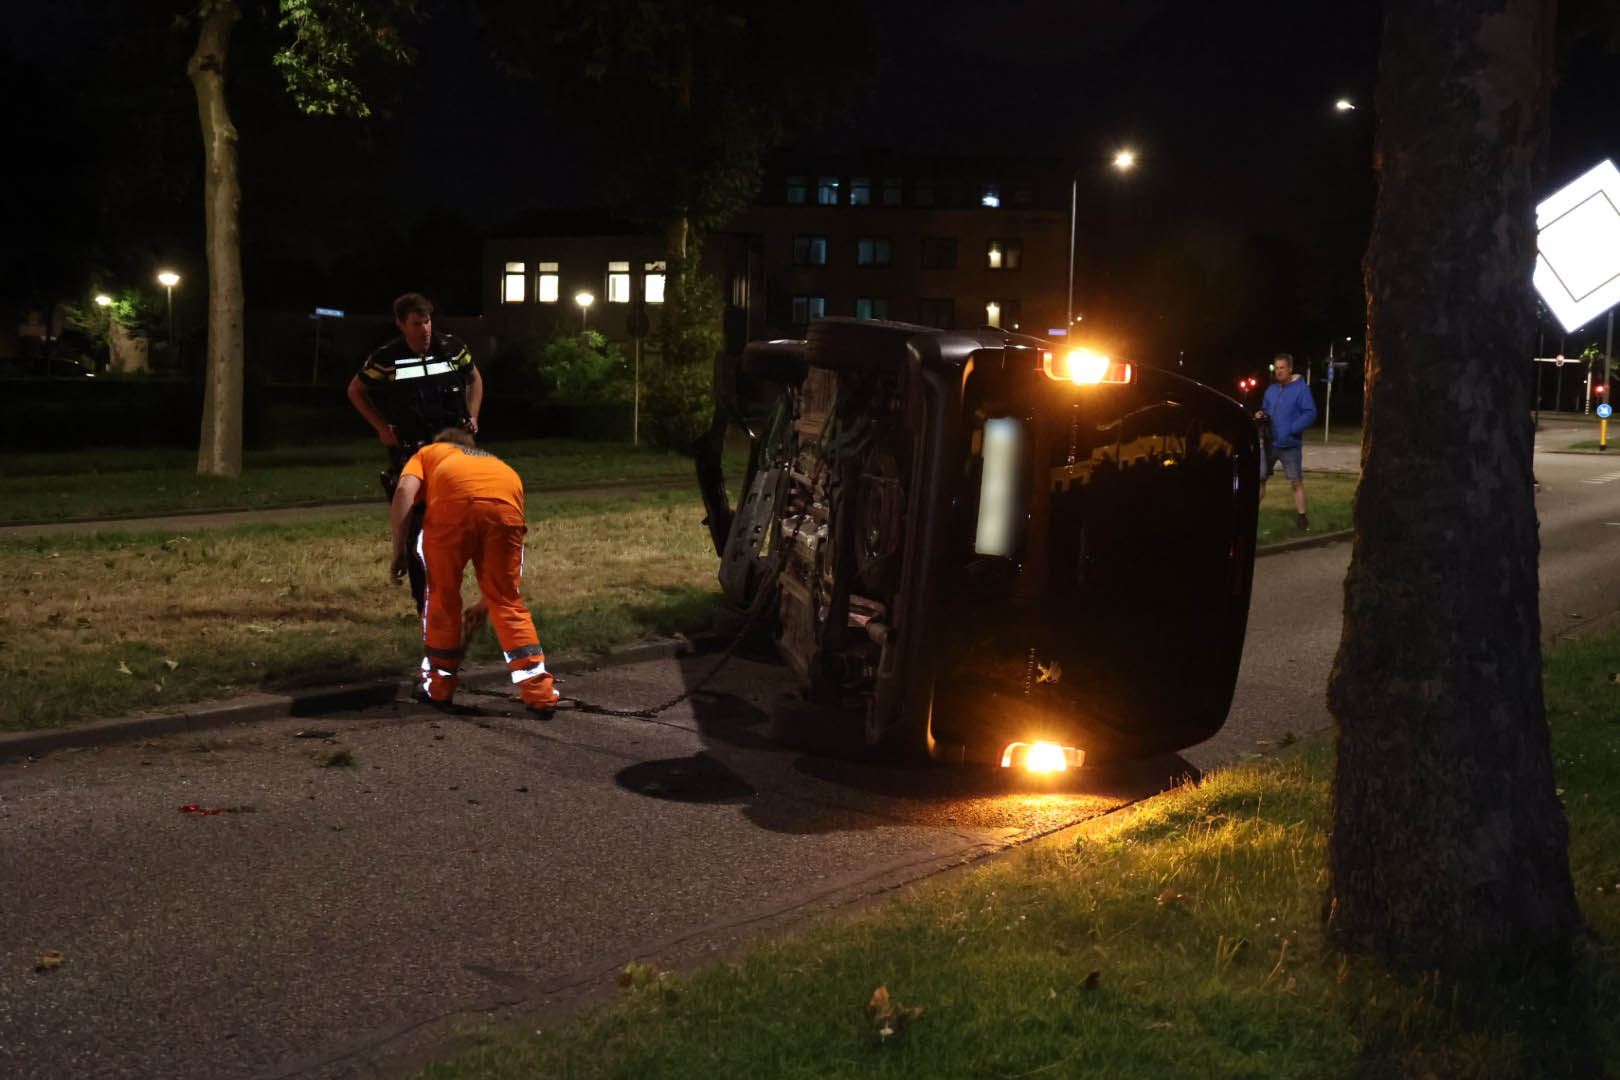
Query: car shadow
789	783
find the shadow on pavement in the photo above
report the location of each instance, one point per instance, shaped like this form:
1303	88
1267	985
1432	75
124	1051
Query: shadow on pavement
830	784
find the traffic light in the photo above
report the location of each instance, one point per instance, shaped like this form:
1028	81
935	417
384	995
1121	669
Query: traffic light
1600	389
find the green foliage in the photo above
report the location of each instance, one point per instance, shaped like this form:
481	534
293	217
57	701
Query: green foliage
330	39
571	369
133	309
585	369
679	401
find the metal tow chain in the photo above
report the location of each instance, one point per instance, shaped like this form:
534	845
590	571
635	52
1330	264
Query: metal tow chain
651	713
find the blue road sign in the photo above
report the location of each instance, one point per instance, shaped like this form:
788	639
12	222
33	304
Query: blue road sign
1603	411
329	312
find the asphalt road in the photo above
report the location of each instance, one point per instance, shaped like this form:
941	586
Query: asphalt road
333	920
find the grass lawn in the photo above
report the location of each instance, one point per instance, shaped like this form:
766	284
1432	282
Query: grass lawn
1180	941
95	626
119	483
1328	497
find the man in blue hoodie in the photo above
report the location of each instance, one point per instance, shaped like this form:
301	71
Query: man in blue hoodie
1290	409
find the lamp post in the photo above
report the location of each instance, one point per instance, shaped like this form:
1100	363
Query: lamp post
103	301
169	279
1124	161
584	300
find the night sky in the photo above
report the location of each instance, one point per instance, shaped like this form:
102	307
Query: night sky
1248	177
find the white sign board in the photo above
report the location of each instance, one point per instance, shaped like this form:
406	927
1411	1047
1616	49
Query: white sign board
1578	247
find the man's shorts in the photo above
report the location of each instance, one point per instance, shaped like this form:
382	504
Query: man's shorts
1289	456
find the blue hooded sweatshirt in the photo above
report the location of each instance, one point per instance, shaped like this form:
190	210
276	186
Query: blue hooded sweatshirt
1291	409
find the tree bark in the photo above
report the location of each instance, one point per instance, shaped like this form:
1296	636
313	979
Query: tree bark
1450	848
219	452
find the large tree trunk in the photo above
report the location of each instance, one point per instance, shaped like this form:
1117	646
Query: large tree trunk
1449	846
219	452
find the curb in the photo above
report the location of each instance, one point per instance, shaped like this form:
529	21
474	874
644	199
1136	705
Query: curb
315	701
1321	540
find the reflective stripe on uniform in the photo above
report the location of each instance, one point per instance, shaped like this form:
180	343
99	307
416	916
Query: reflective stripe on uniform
525	674
523	651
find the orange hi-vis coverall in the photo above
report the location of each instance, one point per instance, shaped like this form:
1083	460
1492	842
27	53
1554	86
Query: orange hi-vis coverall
474	513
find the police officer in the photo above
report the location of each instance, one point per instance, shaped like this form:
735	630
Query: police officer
412	387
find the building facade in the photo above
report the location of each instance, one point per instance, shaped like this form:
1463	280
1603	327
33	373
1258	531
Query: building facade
941	243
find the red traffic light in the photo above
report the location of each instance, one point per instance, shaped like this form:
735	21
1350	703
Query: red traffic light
1600	389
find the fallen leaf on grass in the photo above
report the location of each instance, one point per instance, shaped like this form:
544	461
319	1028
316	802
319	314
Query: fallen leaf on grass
49	962
1170	897
889	1017
1614	679
123	668
172	663
258	629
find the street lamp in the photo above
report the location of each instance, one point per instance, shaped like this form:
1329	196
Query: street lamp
169	279
1344	105
1124	161
584	300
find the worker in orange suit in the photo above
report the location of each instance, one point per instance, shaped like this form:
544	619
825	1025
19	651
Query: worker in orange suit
473	513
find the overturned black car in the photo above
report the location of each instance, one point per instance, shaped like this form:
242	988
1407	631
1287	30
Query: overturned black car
980	547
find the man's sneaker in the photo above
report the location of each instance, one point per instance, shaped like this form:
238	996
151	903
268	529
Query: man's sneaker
1304	523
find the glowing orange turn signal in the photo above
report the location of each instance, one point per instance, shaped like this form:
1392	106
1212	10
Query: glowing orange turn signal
1041	757
1084	367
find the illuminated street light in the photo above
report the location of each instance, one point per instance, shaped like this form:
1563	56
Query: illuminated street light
102	300
584	300
169	279
1124	161
1344	105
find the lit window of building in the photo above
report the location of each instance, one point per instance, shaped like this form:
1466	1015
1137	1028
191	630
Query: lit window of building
891	191
1004	253
652	282
1002	314
827	191
512	291
809	251
798	189
872	251
860	191
872	307
545	283
806	308
991	197
618	282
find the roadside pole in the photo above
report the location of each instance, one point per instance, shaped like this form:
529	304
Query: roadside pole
1327	413
315	366
1603	409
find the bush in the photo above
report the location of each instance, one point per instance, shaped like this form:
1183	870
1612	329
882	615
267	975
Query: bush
679	401
569	369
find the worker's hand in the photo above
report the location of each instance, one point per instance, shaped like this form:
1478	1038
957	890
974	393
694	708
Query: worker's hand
471	619
1260	414
399	568
472	424
388	436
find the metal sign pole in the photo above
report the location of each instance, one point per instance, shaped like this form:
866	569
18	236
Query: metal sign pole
635	398
315	365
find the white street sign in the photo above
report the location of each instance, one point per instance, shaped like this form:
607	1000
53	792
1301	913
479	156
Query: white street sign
1578	247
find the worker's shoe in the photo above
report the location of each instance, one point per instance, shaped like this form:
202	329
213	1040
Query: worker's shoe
1304	523
539	692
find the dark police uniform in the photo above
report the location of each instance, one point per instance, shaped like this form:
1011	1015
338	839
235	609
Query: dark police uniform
420	395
